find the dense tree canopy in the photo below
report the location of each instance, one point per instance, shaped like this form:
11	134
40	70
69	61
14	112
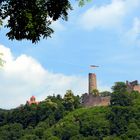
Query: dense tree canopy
31	19
58	118
119	87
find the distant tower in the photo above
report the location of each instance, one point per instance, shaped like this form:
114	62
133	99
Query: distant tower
32	101
92	82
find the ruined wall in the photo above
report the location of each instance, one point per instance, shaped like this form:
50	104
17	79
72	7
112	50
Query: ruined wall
136	88
105	101
90	100
92	82
133	86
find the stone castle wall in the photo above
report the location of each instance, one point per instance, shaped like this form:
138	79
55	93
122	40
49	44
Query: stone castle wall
136	88
90	100
134	85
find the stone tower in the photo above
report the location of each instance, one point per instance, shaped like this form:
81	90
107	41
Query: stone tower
92	82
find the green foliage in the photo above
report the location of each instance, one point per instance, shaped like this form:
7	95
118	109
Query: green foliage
0	22
112	138
11	131
71	102
119	118
94	123
31	19
82	2
122	99
119	87
105	93
135	96
58	118
124	115
133	131
53	138
95	92
82	123
66	130
29	137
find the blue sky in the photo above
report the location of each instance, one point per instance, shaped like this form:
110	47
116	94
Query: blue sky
103	32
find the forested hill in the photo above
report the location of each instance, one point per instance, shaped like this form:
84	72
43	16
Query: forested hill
58	118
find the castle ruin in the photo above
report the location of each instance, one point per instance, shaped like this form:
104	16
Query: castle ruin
134	85
93	99
89	100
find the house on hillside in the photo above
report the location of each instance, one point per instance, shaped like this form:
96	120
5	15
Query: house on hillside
32	101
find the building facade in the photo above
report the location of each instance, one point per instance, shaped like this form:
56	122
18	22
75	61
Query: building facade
134	85
32	101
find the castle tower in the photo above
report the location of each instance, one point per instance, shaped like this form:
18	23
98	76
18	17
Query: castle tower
32	101
92	82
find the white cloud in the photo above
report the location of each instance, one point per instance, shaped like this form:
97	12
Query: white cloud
58	26
132	36
23	76
109	15
104	16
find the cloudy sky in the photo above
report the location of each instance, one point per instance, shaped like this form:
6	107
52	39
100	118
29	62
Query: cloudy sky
103	32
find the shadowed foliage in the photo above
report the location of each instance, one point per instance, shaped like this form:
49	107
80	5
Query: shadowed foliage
58	118
31	19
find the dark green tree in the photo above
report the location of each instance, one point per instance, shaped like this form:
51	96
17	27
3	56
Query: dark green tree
29	137
120	99
119	87
119	118
31	19
120	96
105	93
95	92
70	101
11	131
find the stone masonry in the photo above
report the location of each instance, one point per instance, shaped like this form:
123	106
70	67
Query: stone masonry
92	82
134	85
89	99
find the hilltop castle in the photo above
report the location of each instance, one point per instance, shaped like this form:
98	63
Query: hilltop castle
134	85
92	98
